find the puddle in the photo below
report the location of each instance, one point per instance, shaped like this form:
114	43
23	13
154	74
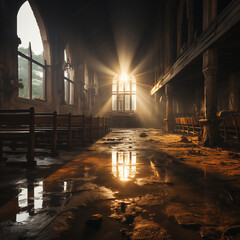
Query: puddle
150	194
124	165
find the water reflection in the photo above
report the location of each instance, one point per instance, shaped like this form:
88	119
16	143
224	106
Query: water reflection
22	203
38	196
23	197
22	216
124	165
65	186
30	200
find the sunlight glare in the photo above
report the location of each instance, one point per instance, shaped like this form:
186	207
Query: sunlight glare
28	30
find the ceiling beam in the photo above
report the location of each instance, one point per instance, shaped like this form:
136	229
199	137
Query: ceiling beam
223	23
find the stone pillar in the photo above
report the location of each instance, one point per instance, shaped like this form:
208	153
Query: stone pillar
211	136
169	108
8	57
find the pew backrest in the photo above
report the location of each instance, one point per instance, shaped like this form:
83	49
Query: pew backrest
17	119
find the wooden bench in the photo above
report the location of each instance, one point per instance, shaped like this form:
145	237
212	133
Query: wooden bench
230	126
95	127
18	125
98	126
46	125
108	125
78	128
198	127
64	132
178	124
25	127
88	128
101	125
188	124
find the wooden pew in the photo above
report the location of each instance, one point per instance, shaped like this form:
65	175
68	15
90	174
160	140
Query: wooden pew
188	124
177	124
185	124
88	130
229	126
237	122
182	124
101	127
95	126
18	125
78	128
46	124
108	125
197	125
64	130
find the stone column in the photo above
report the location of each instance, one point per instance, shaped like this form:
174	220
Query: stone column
211	136
169	108
8	58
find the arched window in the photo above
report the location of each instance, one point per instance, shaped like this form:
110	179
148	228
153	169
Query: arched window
68	80
31	63
124	93
86	95
86	78
95	84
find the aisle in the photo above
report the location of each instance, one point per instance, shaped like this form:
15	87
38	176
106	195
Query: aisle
128	185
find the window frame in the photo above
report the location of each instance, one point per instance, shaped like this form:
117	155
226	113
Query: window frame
68	94
30	71
121	95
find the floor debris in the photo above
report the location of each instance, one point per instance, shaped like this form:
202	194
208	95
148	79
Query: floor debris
138	189
95	221
143	134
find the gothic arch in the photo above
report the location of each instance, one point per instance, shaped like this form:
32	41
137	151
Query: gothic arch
32	86
43	31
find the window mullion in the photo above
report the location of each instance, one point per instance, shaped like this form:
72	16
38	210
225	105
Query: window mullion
124	96
130	95
117	93
30	72
44	79
67	92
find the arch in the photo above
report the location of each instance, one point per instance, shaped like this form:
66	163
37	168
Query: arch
33	52
43	32
42	29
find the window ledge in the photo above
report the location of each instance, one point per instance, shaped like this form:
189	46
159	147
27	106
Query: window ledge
32	101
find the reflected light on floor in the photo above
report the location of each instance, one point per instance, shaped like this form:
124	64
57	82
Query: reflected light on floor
23	198
22	216
124	165
38	196
22	203
65	186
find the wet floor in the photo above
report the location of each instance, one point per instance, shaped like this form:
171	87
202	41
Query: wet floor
125	186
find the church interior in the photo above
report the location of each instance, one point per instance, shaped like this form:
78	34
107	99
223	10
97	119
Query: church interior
120	119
